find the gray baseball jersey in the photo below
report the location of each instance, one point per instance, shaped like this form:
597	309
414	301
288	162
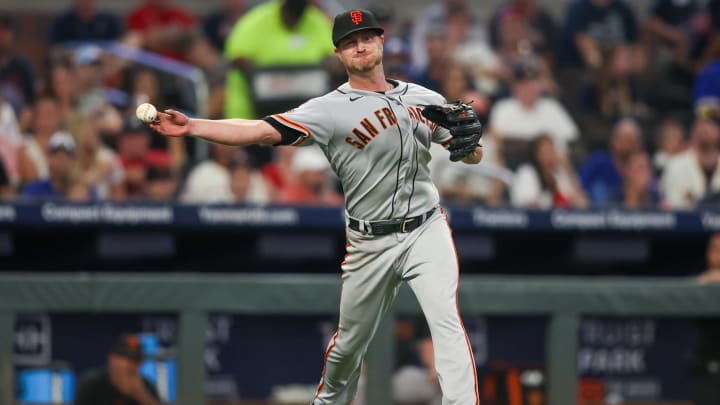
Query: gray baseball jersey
378	145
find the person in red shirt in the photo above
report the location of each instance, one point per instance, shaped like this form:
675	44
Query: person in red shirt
162	26
309	185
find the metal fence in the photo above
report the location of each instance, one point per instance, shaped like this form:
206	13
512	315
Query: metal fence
194	296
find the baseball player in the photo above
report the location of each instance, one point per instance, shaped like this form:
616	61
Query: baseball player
376	134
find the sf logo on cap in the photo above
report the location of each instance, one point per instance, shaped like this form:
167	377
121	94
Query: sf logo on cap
356	16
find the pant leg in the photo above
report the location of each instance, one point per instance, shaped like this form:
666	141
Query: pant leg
431	270
368	291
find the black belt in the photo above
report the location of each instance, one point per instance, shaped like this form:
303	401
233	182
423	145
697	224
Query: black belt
391	225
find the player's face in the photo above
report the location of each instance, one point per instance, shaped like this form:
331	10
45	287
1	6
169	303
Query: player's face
361	51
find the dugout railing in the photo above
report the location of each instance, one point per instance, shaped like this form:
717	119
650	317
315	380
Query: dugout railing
193	296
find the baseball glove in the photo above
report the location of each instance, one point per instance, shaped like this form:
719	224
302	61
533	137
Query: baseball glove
463	124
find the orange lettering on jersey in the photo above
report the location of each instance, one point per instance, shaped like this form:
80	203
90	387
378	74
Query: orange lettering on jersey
390	114
413	114
354	143
369	127
381	118
416	114
361	136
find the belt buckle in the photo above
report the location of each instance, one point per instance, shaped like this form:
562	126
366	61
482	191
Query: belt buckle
404	225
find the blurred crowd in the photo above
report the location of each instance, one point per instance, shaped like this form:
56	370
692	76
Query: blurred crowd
603	105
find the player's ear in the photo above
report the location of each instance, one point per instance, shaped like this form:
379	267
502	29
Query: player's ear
382	39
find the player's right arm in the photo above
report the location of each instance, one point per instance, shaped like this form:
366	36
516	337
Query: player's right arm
235	132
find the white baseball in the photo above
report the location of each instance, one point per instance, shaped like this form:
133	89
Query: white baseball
146	113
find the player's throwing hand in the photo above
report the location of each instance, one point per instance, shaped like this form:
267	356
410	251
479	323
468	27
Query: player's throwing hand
171	123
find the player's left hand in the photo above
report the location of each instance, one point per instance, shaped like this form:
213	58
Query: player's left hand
463	123
475	156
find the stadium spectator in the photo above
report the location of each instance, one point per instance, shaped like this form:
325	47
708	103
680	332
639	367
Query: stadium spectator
278	173
488	70
396	59
710	48
670	142
614	92
705	356
61	182
593	25
120	383
600	172
547	181
10	141
436	15
100	169
679	28
527	114
60	83
639	188
438	53
161	184
218	24
84	22
17	79
706	90
161	26
385	15
485	184
137	156
311	184
46	120
247	184
283	33
91	95
225	178
591	30
538	26
695	173
7	191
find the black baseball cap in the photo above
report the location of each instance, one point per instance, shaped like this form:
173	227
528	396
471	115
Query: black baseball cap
352	21
128	345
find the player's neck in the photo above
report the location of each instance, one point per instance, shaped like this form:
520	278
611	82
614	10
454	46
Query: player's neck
373	81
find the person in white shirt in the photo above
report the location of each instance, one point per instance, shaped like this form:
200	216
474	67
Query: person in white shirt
527	114
213	181
696	172
547	181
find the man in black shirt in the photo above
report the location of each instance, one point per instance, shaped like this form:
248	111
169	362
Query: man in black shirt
121	383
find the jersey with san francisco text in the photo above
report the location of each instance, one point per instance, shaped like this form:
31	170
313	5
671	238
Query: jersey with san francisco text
378	144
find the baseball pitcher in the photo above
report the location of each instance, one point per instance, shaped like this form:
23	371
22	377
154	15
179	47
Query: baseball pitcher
376	134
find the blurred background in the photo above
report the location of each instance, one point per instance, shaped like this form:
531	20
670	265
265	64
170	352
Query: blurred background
600	171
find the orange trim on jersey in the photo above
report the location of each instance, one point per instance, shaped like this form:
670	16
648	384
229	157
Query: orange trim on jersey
347	245
294	125
329	349
327	353
457	308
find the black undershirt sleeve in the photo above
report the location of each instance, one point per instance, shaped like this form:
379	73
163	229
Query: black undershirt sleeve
288	135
